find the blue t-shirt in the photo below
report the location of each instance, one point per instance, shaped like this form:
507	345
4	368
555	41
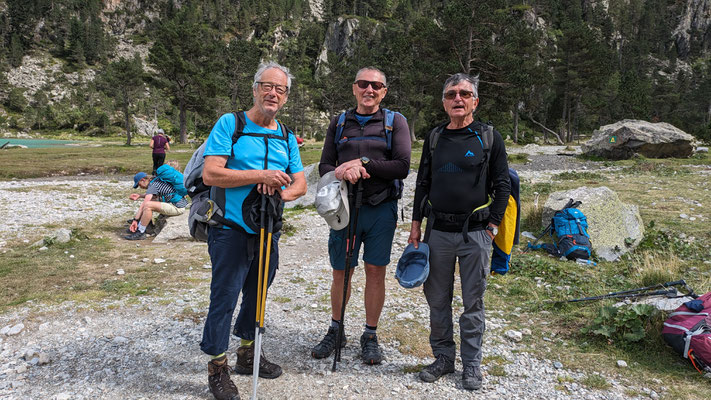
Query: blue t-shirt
249	155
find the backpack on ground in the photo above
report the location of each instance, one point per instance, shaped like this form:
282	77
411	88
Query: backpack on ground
172	176
569	232
208	202
688	332
394	192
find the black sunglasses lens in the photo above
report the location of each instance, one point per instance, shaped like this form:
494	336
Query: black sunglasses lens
364	84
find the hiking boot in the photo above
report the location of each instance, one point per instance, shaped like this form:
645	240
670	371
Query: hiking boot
441	366
135	236
218	376
245	364
471	377
369	349
328	344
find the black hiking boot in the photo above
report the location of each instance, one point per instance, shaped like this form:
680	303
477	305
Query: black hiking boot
328	344
218	376
138	235
369	349
245	364
441	366
471	377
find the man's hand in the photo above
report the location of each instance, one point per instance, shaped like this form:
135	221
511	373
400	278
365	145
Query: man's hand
351	171
266	189
134	226
275	178
415	233
490	233
134	196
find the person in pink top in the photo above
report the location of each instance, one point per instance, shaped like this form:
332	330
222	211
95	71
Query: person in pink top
160	144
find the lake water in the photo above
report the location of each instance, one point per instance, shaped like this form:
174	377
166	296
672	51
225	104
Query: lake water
36	143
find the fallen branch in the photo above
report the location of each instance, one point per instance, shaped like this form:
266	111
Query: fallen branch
552	132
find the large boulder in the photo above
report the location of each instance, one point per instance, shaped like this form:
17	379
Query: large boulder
623	139
175	228
614	227
312	177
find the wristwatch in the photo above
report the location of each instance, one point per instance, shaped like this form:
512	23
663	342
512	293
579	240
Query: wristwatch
364	160
493	229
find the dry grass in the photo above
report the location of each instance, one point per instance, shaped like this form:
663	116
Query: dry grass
655	267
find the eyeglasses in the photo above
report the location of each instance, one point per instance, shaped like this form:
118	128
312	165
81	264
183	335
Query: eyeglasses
268	86
464	94
364	84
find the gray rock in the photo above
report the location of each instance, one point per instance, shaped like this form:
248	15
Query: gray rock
622	363
515	336
15	330
557	365
175	228
614	227
44	359
312	177
702	149
625	138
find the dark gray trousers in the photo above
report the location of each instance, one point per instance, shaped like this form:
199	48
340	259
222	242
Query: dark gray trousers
445	249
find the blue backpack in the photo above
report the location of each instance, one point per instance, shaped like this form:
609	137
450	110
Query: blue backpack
570	227
172	176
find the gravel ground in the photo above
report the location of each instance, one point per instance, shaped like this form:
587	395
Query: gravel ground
149	349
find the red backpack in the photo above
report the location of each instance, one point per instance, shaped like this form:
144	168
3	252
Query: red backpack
688	332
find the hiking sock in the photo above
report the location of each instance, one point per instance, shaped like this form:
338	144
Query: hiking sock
213	358
370	329
141	228
245	342
334	323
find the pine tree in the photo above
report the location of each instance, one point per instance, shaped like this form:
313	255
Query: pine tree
123	81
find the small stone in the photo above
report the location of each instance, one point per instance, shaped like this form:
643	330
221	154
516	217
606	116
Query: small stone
87	320
17	384
71	256
63	396
159	260
146	260
43	248
44	359
405	315
513	335
654	395
207	266
120	272
557	365
119	340
30	354
622	363
34	361
15	329
683	216
314	305
525	331
5	330
21	369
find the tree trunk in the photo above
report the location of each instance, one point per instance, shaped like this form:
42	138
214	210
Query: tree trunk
127	125
183	123
515	121
545	129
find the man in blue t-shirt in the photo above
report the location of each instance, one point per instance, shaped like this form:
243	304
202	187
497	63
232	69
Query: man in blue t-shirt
238	169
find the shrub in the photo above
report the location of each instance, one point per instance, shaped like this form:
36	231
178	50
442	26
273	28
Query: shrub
624	324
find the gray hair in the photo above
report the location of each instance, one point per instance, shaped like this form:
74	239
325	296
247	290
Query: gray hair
458	77
269	65
360	71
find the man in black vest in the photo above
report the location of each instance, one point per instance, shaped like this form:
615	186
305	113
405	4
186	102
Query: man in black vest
462	188
364	153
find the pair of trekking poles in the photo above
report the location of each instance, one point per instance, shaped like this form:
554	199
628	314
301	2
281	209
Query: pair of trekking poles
262	281
350	247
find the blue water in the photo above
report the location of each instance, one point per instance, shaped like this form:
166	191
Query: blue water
36	143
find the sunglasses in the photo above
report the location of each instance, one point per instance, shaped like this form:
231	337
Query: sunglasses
268	86
464	94
364	84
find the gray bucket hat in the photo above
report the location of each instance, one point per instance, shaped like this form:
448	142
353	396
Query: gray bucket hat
332	201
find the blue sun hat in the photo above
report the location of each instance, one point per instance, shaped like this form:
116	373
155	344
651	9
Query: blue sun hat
413	266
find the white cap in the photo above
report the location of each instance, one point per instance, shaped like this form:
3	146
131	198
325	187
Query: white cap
332	201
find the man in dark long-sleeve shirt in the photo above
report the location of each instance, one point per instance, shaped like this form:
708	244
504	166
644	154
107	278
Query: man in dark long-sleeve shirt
464	186
365	151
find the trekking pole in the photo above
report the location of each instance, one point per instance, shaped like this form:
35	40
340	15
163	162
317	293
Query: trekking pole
350	245
667	290
263	277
